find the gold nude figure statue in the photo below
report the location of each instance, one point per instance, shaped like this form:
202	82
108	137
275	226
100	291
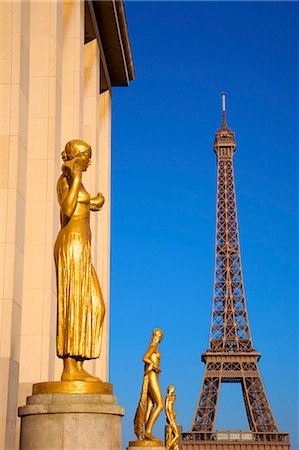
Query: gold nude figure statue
172	433
81	307
151	400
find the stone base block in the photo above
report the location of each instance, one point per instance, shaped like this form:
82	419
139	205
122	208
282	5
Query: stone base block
71	422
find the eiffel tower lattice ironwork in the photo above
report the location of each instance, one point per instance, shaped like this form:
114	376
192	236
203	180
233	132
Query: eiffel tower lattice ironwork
231	356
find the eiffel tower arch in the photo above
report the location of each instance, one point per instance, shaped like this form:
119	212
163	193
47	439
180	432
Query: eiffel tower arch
231	357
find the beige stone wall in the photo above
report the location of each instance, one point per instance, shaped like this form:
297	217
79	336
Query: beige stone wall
49	91
14	94
103	254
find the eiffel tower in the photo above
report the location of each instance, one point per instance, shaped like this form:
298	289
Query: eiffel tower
231	357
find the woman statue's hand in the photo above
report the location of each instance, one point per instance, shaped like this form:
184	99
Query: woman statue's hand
156	369
148	368
97	202
72	168
77	171
99	198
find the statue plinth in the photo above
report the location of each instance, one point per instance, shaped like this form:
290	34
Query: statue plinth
152	445
81	421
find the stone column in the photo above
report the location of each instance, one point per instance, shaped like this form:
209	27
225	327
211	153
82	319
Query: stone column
91	179
103	251
71	112
72	82
38	344
97	179
14	49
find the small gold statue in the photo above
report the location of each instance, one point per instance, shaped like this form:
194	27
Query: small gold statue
151	400
81	307
172	433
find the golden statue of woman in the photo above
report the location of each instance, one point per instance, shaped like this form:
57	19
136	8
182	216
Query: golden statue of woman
172	433
151	400
81	307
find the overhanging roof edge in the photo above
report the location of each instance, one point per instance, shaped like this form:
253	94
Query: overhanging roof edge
112	25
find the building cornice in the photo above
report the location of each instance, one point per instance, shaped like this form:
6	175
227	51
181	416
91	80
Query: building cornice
113	31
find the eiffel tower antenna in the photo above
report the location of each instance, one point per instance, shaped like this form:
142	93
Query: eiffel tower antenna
230	357
223	125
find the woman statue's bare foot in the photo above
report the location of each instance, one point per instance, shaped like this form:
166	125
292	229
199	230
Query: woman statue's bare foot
85	376
73	371
150	437
70	370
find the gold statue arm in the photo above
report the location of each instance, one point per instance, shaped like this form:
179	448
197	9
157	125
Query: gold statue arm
97	202
68	188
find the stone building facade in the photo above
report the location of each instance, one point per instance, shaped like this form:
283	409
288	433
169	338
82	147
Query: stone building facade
59	62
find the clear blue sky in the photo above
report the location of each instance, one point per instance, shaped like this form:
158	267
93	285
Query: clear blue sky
164	188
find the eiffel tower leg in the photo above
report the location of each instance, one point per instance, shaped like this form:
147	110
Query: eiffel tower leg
258	410
205	414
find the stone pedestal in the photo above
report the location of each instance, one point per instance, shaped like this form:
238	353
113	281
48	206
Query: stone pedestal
71	422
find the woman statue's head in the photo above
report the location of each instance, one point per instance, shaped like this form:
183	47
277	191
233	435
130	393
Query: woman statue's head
170	389
75	148
157	334
79	151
